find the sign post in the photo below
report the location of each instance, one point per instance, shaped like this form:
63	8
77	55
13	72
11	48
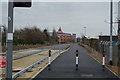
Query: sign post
11	5
9	41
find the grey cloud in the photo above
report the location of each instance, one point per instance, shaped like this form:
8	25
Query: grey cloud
72	17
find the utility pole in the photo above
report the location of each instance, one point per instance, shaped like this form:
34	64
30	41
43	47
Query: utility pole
111	27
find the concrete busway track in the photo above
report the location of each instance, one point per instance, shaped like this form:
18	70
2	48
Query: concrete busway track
39	60
21	63
64	67
38	53
27	52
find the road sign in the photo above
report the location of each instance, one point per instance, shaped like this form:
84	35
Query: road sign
22	3
2	61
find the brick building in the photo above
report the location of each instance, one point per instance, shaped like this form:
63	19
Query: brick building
64	37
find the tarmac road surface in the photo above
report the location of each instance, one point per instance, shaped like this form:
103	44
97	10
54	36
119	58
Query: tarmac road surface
64	67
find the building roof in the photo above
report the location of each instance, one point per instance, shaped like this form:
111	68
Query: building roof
60	31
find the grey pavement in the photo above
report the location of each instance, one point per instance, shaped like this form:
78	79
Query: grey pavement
64	67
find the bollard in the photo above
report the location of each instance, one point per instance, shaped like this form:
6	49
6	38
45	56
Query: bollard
49	59
76	59
103	61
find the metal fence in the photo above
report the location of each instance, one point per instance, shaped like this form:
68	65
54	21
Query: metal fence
104	48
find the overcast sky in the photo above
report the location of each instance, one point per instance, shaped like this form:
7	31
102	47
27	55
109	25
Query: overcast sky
70	16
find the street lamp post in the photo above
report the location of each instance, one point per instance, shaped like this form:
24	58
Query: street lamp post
111	27
85	31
